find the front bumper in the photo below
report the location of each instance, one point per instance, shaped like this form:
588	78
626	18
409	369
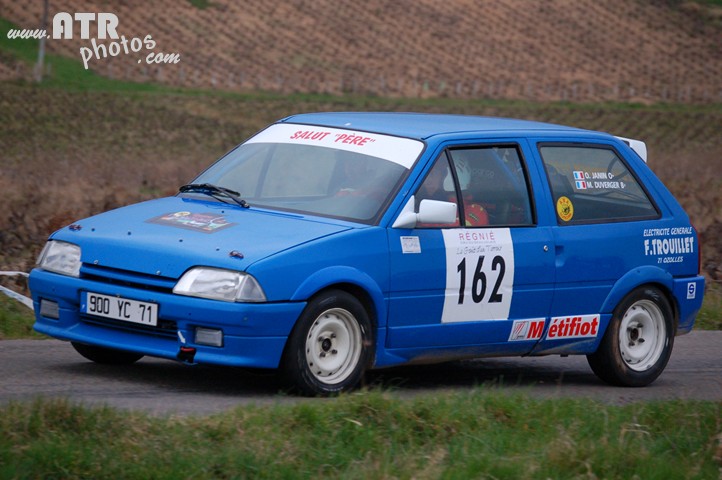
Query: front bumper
254	335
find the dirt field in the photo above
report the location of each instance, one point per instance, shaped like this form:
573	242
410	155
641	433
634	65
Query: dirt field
65	155
69	155
581	50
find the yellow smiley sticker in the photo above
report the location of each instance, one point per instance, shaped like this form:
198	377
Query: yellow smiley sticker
565	209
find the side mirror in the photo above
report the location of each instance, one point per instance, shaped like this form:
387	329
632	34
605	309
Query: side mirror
430	211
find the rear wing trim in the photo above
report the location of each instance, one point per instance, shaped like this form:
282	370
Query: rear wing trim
639	147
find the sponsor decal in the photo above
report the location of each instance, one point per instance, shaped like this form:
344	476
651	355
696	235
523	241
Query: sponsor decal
402	151
343	138
410	245
530	329
691	290
582	326
669	245
200	222
565	209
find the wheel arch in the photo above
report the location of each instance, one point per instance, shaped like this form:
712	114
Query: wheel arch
351	280
640	277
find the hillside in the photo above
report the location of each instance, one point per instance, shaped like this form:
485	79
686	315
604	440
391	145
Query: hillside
582	50
101	150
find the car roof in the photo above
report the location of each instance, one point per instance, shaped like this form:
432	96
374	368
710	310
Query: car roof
423	125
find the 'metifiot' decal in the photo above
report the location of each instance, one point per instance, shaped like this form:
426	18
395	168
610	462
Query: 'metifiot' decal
526	330
582	326
201	222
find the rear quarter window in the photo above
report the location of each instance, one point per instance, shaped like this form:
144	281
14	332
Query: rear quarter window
593	184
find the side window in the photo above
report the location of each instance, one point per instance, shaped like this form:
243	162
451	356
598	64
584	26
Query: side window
493	186
438	185
592	184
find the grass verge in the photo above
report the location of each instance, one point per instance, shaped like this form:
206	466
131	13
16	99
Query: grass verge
16	320
710	316
480	434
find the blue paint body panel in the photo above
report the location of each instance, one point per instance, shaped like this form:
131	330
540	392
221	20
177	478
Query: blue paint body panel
564	281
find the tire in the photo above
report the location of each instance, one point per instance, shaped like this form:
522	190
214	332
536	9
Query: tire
638	342
330	346
107	356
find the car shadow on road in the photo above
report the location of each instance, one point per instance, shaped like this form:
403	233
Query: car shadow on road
162	375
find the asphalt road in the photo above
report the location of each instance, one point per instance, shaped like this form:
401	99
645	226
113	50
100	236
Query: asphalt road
31	369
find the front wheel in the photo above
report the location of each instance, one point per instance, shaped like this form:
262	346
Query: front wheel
331	345
108	356
638	342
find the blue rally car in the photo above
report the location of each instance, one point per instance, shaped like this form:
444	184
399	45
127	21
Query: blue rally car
332	243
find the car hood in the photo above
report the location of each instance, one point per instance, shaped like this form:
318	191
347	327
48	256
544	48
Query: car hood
167	236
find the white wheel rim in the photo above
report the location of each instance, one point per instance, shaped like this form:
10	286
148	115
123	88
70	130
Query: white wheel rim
642	335
333	346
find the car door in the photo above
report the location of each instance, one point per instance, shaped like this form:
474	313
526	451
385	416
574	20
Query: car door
601	212
483	282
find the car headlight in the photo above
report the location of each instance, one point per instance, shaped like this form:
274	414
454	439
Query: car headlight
60	257
218	284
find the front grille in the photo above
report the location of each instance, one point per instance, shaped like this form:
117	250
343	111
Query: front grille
135	280
127	278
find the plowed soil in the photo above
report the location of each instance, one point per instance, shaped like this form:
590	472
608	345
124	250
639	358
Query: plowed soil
581	50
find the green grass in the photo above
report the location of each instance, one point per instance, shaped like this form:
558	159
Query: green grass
200	4
16	320
479	434
710	316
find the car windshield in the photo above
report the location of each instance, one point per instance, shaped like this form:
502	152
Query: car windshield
316	170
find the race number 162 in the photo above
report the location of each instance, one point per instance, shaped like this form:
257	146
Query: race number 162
479	279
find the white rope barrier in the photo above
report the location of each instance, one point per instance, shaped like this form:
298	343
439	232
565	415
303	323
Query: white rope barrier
28	302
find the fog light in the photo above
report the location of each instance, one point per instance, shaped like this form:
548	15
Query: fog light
209	336
49	309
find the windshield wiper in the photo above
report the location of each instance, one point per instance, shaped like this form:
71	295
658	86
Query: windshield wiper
214	191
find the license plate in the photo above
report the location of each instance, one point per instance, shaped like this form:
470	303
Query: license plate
119	308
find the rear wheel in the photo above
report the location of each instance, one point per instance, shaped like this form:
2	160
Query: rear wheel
108	356
638	342
331	345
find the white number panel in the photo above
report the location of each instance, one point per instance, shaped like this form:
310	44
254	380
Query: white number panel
479	274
